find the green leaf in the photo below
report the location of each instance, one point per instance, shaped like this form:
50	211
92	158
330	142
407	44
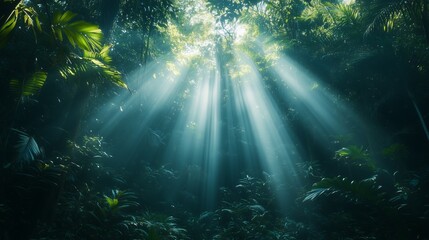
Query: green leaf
35	83
15	85
112	202
90	64
27	147
394	11
38	25
84	35
7	27
29	87
12	20
356	156
315	193
103	55
66	17
355	191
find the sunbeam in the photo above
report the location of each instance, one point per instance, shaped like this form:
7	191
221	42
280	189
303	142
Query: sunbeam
213	116
197	136
260	116
214	119
129	118
324	112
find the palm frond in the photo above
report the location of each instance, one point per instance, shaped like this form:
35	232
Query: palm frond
387	17
7	27
103	55
27	147
90	64
30	18
29	87
347	14
317	192
355	191
80	34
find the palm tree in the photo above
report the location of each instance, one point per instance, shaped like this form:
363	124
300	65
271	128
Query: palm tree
389	12
62	48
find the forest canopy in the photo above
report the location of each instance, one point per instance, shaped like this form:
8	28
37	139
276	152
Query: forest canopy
214	119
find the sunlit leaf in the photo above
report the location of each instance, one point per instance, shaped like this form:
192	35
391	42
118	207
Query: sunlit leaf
394	11
38	25
112	202
10	23
30	86
80	34
7	27
92	63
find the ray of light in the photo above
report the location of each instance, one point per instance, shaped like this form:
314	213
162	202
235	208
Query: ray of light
129	117
324	112
248	133
327	117
261	118
321	106
194	148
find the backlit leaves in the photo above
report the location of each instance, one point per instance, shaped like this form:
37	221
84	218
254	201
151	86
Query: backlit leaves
30	86
393	12
347	14
93	64
119	200
103	55
111	202
30	19
84	35
95	60
7	28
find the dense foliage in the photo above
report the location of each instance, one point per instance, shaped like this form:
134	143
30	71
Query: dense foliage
62	61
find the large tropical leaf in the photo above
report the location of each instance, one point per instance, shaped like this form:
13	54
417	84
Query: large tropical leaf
80	34
355	156
103	55
30	19
365	190
92	63
388	15
27	147
29	87
7	27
